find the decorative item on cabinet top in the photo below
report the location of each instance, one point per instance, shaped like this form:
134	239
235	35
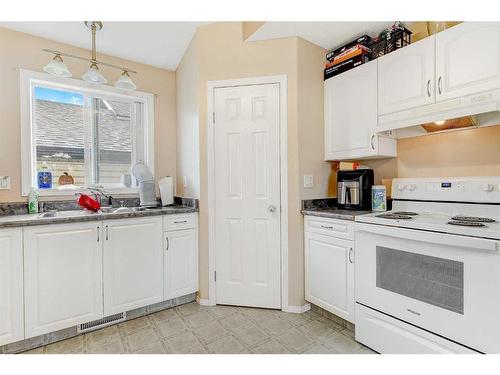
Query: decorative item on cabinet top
364	48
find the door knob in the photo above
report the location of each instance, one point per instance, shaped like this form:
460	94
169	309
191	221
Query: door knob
272	208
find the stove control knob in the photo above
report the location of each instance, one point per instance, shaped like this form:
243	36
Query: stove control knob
412	187
401	187
487	187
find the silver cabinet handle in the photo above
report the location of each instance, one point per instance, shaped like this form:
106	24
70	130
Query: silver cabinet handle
107	233
180	222
98	230
429	88
440	80
168	243
371	141
350	252
272	208
326	227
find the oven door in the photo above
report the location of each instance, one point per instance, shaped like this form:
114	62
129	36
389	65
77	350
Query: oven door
446	284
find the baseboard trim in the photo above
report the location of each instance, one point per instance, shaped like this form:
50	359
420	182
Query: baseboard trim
297	309
203	302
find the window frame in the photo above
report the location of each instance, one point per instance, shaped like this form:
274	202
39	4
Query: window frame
29	79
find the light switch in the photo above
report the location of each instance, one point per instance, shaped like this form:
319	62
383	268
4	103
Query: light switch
184	181
308	181
4	182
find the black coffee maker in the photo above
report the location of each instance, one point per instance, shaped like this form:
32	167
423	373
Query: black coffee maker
354	189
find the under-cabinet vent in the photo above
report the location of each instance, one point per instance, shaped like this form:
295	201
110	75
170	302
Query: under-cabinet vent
101	323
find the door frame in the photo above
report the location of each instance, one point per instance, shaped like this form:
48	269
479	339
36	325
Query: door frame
281	80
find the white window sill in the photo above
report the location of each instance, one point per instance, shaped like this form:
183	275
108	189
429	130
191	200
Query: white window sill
56	193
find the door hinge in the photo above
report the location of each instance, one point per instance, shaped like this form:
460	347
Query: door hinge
213	117
215	275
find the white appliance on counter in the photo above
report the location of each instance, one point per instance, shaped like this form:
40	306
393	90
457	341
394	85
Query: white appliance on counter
428	272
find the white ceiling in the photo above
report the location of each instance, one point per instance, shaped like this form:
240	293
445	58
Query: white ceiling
325	34
160	44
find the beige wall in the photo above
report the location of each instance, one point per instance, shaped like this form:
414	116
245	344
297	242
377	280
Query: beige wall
471	152
18	50
188	124
223	54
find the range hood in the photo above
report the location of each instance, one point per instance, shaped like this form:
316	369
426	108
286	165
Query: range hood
469	111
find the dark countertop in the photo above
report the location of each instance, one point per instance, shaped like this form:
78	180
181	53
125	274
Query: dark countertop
9	221
333	213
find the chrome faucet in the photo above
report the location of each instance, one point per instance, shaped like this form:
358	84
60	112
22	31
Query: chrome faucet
98	192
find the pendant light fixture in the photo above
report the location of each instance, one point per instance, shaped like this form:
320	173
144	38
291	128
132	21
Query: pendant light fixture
125	82
57	67
93	75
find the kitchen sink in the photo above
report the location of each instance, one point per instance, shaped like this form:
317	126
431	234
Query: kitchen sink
69	213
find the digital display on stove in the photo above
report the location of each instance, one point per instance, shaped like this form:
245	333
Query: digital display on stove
445	185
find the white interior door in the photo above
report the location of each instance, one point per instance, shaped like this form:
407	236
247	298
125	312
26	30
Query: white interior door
247	195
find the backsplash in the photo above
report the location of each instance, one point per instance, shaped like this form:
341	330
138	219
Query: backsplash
20	208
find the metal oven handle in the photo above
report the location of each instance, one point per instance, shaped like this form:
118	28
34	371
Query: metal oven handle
431	237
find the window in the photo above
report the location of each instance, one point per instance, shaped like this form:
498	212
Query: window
82	135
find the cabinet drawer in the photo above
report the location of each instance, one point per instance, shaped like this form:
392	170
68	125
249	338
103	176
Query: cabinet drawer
177	222
331	227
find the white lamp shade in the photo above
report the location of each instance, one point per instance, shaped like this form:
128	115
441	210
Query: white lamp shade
57	68
125	82
94	75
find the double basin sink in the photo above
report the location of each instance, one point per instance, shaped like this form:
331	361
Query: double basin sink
103	210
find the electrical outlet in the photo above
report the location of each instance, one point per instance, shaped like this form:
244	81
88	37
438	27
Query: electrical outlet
4	182
308	181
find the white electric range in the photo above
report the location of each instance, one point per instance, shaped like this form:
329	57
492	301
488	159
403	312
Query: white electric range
428	272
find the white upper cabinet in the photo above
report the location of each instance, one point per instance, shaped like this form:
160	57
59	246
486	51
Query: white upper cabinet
11	286
62	276
467	59
351	116
406	77
133	263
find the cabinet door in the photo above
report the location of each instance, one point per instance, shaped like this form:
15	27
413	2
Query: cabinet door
467	59
351	113
406	77
62	276
329	274
133	263
181	263
11	286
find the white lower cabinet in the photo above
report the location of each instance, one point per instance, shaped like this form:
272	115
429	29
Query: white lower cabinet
329	270
181	263
132	263
11	286
62	276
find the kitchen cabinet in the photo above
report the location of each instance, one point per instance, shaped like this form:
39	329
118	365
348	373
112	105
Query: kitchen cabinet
11	286
132	263
467	59
181	263
329	267
351	116
406	77
62	276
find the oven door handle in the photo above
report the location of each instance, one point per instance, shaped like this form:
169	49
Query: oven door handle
432	237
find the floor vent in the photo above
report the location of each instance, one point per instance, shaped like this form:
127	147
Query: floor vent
101	323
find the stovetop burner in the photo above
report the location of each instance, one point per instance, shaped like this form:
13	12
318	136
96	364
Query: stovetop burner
465	223
406	213
394	216
474	219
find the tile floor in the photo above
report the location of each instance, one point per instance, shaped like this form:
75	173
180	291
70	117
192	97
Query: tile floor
195	329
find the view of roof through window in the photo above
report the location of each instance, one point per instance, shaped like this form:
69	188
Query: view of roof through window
60	131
